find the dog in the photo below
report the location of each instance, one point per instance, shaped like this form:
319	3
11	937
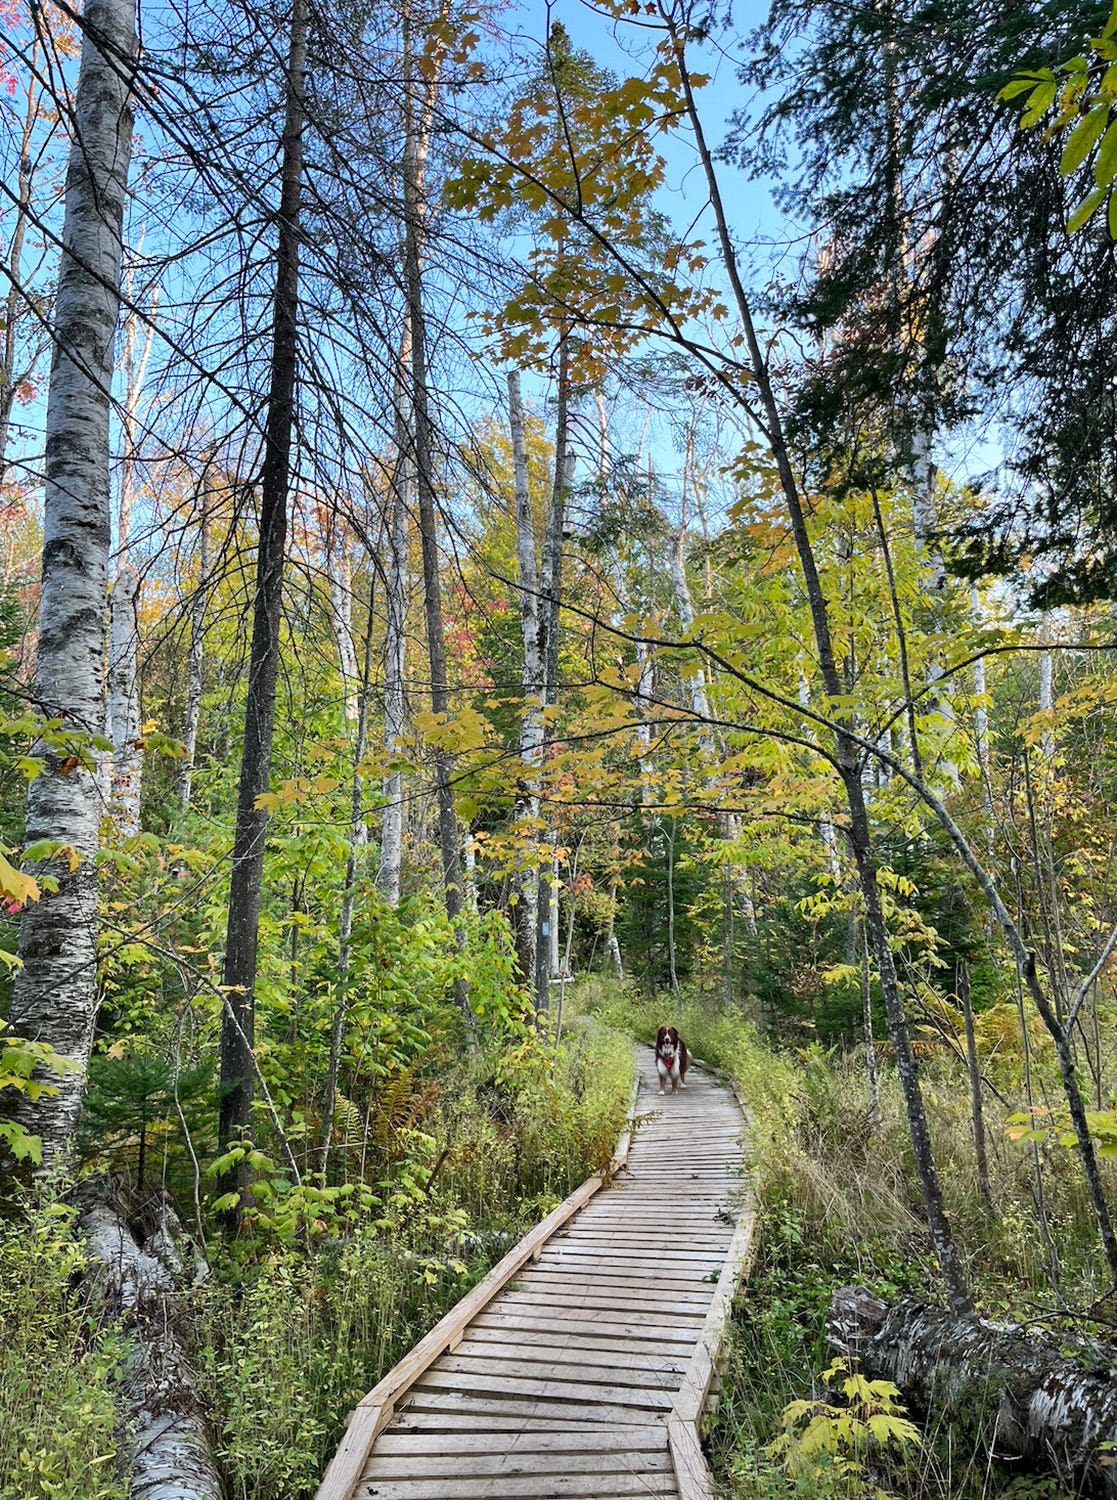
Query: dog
671	1059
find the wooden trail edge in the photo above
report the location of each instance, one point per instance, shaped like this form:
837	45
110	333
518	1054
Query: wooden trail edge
692	1472
374	1411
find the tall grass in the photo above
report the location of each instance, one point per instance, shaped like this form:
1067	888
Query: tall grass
837	1203
288	1343
57	1366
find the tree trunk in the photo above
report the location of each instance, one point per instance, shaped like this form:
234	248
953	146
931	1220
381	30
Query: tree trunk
358	838
238	1020
194	662
339	578
973	1068
124	700
847	751
550	605
124	633
534	688
55	992
862	941
1043	1407
395	652
139	1276
413	215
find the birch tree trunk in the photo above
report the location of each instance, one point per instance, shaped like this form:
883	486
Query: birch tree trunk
339	578
534	685
194	661
55	992
124	633
395	649
238	1020
413	215
550	591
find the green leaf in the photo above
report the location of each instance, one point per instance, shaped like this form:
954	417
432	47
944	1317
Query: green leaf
1086	209
1105	163
1082	138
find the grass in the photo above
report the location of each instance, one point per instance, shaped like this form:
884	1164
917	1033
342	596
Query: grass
289	1342
837	1204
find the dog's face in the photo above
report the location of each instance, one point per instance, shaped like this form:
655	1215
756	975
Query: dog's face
667	1043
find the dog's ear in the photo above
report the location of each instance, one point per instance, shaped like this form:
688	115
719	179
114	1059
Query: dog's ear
660	1035
672	1032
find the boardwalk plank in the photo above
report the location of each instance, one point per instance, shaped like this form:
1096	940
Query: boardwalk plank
566	1382
522	1487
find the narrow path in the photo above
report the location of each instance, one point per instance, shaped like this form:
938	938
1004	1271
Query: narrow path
563	1384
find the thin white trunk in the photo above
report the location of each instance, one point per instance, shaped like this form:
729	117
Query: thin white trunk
55	993
404	483
1046	690
395	641
531	722
194	663
124	702
124	634
339	576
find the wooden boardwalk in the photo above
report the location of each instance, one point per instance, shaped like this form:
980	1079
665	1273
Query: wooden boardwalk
581	1366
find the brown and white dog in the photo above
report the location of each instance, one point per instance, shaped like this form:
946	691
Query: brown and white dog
671	1059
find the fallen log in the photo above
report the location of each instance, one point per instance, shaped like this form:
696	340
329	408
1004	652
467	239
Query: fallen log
1016	1392
139	1274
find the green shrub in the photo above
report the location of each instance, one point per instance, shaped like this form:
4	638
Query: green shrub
57	1367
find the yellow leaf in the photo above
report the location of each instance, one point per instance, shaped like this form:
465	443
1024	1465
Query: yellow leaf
16	886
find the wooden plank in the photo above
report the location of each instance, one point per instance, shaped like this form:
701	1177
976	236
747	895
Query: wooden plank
630	1298
523	1487
495	1465
554	1389
594	1440
575	1325
448	1411
525	1313
346	1465
569	1365
583	1336
692	1474
641	1283
487	1343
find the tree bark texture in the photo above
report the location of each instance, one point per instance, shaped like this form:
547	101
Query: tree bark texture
55	994
449	843
124	714
139	1276
550	603
259	720
195	659
534	685
1018	1394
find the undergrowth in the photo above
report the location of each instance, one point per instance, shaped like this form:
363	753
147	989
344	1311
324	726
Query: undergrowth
288	1340
837	1204
57	1366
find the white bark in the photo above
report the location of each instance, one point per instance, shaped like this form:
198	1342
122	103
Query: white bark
169	1457
339	576
124	701
55	998
194	663
1046	690
531	722
124	713
395	650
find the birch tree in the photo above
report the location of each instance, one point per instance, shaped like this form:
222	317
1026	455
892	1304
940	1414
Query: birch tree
55	995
